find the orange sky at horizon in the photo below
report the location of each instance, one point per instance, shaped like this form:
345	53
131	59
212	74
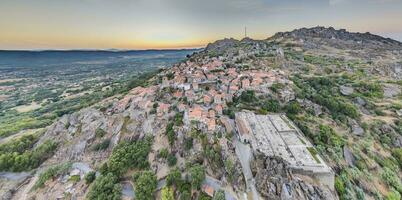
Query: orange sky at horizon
169	24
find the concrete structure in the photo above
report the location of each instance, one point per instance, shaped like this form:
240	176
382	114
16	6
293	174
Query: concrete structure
276	135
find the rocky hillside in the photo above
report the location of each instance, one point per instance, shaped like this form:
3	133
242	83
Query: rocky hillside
326	35
174	136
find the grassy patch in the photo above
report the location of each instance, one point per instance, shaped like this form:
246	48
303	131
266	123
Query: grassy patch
313	153
51	172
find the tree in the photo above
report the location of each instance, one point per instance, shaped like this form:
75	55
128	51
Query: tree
99	132
101	146
397	153
272	105
248	96
105	187
171	160
185	195
391	178
129	154
340	186
393	195
230	169
188	143
204	196
276	87
167	193
197	173
51	172
90	177
219	195
174	177
293	108
170	133
29	159
145	185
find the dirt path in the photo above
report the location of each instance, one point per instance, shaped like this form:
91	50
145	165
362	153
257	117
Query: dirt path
244	154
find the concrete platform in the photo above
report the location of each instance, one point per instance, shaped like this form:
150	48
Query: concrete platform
276	135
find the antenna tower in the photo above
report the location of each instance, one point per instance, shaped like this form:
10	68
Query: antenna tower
245	31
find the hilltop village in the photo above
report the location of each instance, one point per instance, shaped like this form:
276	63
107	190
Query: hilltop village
206	89
199	95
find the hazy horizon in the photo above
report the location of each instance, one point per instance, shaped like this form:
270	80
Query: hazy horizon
177	24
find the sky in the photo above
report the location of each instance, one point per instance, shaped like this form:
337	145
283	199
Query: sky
167	24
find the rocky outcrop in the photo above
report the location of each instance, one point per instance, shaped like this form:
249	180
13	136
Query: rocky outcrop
391	90
355	127
341	34
275	180
345	90
349	157
399	112
360	101
222	45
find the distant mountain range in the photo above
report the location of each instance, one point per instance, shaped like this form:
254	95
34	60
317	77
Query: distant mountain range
19	58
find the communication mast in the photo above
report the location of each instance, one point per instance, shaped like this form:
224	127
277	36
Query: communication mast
245	32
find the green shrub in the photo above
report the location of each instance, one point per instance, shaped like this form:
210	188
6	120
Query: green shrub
184	188
19	145
276	87
51	173
248	96
145	184
188	143
14	124
293	108
171	160
388	162
100	132
343	185
170	75
360	194
197	174
328	137
272	105
163	153
329	142
204	196
219	195
29	159
170	133
393	195
129	154
167	193
340	186
314	153
392	179
178	118
75	178
185	195
213	154
105	187
230	169
101	146
174	177
397	154
229	112
324	91
371	89
90	177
